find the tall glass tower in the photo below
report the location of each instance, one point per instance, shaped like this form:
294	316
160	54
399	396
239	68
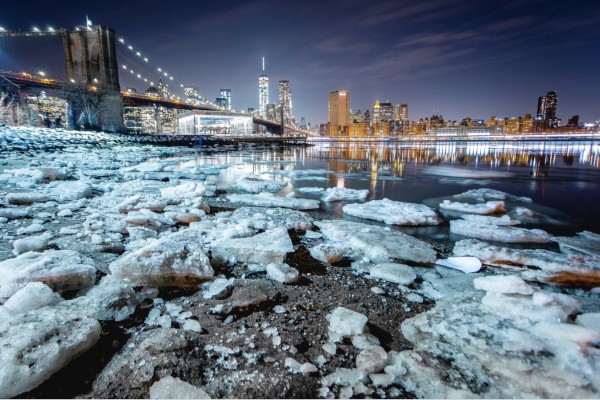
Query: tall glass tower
263	92
285	100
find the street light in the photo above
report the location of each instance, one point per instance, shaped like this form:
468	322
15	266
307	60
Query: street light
35	29
50	29
41	73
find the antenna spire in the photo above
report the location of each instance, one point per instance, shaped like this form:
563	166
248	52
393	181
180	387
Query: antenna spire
263	64
88	23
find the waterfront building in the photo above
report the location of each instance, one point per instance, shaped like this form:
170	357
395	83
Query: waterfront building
132	118
163	89
191	94
285	100
547	109
467	131
48	111
251	110
358	129
214	123
367	118
402	123
263	95
573	121
356	117
527	124
386	111
512	126
339	112
221	102
226	94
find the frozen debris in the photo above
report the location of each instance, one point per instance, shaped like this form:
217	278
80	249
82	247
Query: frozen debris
547	261
497	229
264	248
146	357
561	332
173	260
364	340
61	270
185	218
263	219
31	243
372	359
490	352
394	212
589	320
485	194
148	219
40	342
464	264
278	309
329	253
330	348
313	235
344	194
270	200
345	323
191	325
174	388
490	207
297	368
503	284
187	190
259	185
105	222
396	273
65	213
64	192
116	299
376	243
30	297
138	202
282	273
381	380
377	290
523	309
585	243
15	212
219	288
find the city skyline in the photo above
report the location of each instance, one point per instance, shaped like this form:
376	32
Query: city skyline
469	59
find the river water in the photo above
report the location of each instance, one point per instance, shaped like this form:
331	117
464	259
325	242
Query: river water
561	177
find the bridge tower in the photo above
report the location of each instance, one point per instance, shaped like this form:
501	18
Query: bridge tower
91	60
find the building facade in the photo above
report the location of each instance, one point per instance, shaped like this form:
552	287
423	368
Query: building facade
263	95
285	100
339	110
226	94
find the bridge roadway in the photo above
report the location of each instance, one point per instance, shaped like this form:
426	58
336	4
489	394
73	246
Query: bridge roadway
26	80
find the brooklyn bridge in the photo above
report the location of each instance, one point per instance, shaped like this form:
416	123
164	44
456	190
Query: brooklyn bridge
93	96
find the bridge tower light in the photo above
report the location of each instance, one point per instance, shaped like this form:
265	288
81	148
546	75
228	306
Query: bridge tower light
50	29
36	29
2	29
41	73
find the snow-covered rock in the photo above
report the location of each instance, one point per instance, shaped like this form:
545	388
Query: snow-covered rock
269	200
174	388
264	248
344	194
490	207
396	273
40	342
376	243
61	270
173	260
394	212
282	273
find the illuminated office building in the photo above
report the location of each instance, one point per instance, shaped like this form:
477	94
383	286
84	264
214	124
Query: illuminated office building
226	94
339	109
285	100
192	94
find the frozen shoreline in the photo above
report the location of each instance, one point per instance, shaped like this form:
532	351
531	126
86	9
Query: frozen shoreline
221	294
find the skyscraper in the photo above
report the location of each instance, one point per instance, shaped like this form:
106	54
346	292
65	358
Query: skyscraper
387	111
192	94
547	109
263	92
376	113
226	94
339	108
285	100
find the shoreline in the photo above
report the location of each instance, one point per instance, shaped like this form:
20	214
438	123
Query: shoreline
156	278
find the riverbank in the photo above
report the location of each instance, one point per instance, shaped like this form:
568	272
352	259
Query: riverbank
477	138
126	271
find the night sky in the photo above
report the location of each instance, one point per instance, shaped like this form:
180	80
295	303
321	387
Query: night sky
456	58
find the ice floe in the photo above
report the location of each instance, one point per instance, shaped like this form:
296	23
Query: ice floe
497	229
394	212
585	243
490	207
376	243
270	200
344	194
259	185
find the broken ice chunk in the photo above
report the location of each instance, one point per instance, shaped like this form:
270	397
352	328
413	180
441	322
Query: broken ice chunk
32	296
264	248
282	273
394	212
464	264
258	185
174	388
329	252
397	273
490	207
503	284
31	243
490	228
344	194
345	323
586	243
269	200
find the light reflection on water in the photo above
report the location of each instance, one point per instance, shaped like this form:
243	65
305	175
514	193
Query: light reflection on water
562	175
